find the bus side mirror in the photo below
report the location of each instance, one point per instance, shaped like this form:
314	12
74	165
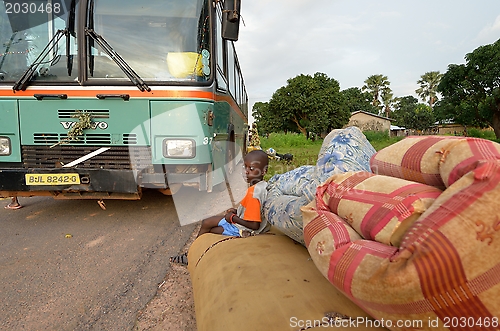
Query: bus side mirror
231	19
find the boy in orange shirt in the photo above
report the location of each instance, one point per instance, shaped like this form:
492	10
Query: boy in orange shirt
247	219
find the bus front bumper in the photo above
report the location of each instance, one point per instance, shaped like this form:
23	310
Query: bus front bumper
59	183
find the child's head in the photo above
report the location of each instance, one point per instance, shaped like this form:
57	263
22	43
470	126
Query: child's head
255	166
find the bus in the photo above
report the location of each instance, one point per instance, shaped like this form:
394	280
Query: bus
101	99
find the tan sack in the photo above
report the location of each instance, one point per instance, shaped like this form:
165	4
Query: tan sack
265	282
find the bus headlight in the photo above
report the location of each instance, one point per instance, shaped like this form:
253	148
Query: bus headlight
5	146
179	148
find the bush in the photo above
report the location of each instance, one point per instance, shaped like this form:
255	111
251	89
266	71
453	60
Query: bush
485	134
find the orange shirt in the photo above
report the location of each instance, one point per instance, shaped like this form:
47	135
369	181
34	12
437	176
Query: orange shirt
251	205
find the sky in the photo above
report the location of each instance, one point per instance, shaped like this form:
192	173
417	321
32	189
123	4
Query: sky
350	40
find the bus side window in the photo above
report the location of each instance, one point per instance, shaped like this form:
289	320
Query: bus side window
220	76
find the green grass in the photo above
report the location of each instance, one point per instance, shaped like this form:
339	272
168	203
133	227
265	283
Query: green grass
305	152
281	140
380	140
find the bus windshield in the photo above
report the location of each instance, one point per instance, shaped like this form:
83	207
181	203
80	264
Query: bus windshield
161	40
22	42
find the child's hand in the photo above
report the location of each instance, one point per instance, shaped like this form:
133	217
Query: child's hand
231	210
228	215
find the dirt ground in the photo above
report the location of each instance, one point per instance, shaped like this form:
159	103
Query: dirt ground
173	306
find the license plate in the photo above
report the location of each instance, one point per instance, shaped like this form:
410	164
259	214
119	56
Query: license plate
51	179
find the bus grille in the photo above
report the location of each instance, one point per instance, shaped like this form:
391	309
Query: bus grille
87	138
117	157
103	113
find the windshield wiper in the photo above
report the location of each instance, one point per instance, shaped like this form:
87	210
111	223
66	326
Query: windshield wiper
28	75
131	74
22	82
71	32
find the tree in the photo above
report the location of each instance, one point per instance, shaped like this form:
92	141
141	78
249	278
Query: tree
312	103
261	116
404	106
421	118
267	121
428	86
375	84
410	114
471	91
387	101
357	100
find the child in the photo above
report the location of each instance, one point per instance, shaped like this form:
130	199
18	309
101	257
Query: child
246	220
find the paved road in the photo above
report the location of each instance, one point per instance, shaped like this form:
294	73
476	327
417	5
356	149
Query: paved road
107	271
97	279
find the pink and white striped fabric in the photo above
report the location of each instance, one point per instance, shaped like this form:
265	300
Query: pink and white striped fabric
446	272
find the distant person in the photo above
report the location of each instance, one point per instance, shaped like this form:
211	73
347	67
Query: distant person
246	220
14	204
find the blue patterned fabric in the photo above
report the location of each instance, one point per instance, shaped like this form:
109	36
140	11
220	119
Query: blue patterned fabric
342	150
297	182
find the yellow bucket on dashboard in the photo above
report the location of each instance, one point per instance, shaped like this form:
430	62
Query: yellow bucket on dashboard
184	64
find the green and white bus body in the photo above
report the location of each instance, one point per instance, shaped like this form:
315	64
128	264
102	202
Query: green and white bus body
107	97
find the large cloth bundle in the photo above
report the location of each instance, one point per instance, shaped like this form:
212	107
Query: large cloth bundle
342	150
378	207
266	282
446	271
